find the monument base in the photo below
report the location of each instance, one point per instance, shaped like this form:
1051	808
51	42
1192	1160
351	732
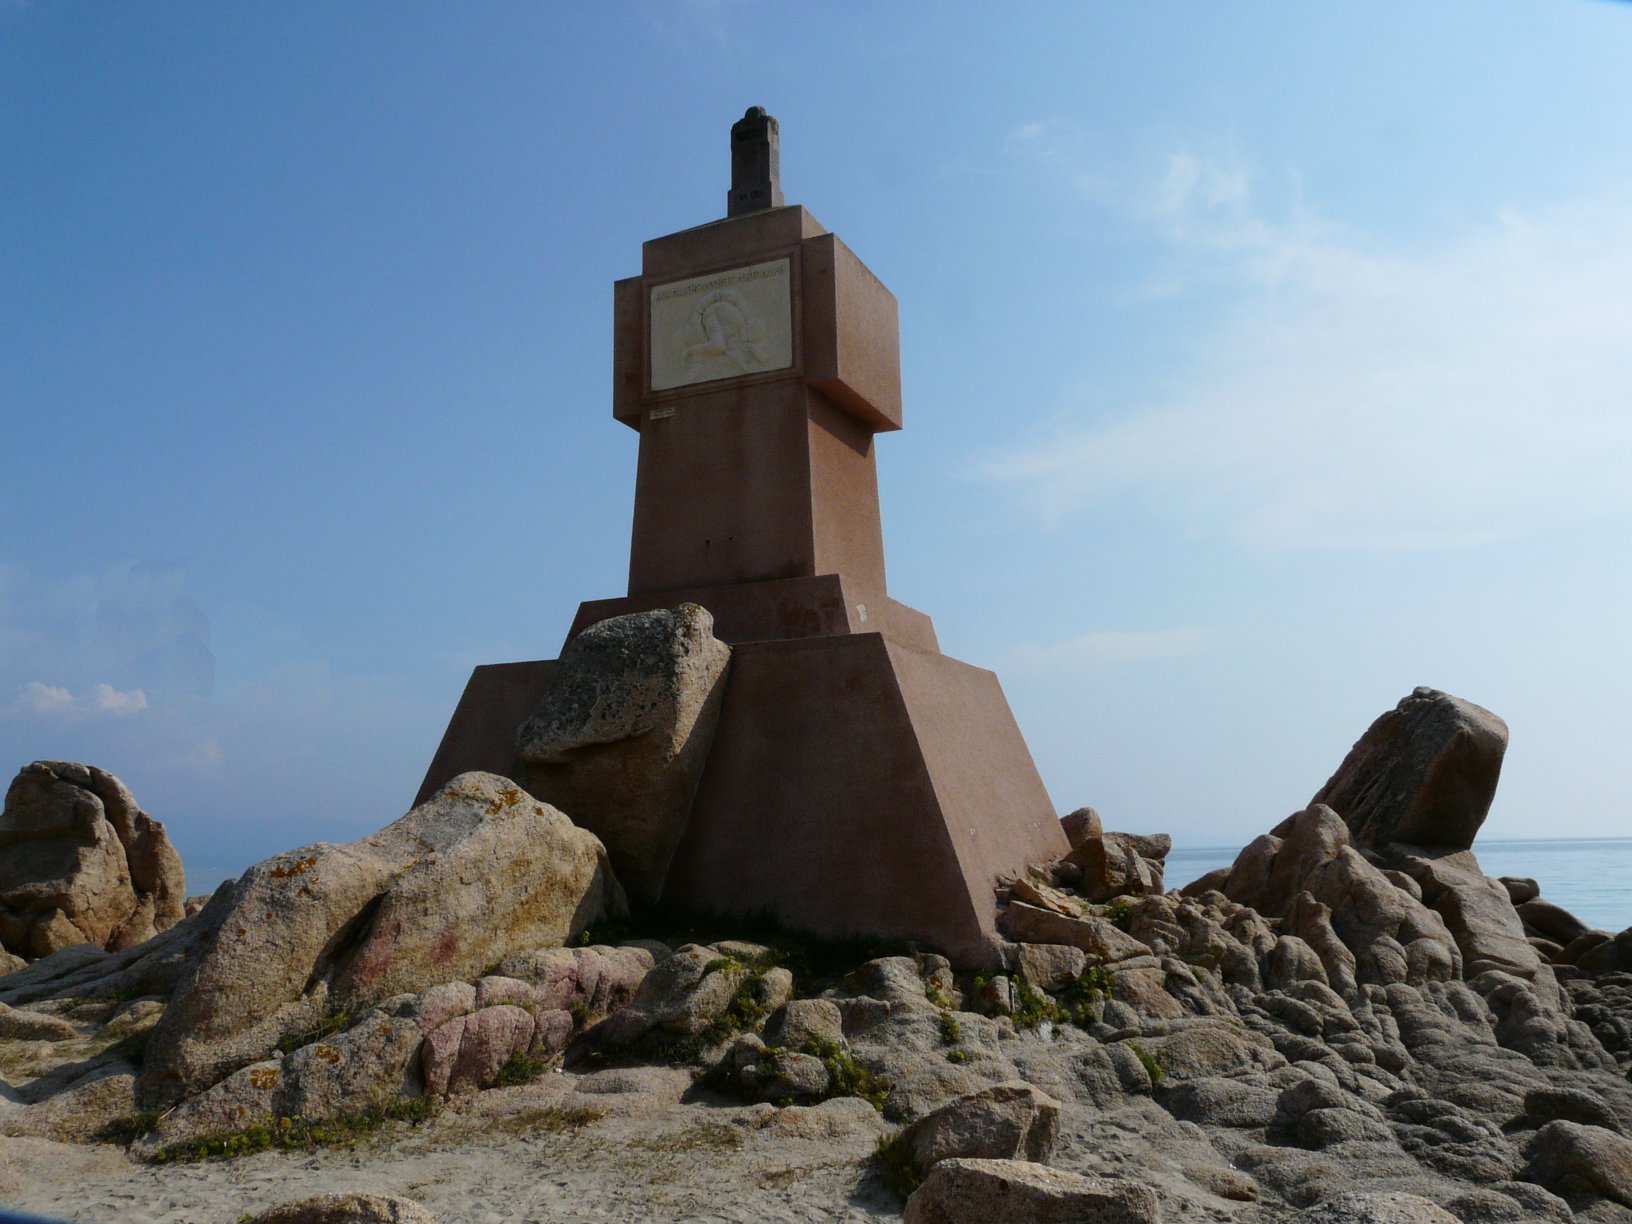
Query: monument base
857	786
498	698
859	783
778	608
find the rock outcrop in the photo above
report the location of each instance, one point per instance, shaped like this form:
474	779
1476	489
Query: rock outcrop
81	863
1479	914
1011	1121
1109	864
1424	774
1020	1192
345	1209
372	1065
1582	1162
619	740
1322	1031
480	871
687	992
1306	873
455	1038
1377	1209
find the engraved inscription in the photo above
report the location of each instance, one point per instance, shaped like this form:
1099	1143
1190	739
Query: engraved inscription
722	325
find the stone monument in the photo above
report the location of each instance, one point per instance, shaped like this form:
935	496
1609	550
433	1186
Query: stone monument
859	781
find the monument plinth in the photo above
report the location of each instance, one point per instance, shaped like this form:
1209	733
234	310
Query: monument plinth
859	781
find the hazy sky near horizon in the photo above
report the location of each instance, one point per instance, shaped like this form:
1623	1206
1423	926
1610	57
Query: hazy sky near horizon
1261	363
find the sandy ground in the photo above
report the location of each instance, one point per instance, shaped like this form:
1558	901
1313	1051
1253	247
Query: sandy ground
542	1153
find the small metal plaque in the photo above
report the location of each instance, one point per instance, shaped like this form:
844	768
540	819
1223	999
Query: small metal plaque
722	325
661	414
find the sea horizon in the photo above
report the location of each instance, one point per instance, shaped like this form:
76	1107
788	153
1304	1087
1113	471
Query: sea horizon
1573	872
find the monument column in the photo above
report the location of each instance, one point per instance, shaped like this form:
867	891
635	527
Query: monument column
757	357
859	782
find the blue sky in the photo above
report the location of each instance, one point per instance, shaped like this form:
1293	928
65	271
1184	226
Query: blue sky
1260	363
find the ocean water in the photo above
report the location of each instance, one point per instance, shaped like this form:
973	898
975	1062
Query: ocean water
1590	877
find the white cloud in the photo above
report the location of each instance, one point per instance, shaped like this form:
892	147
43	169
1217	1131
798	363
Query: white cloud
1106	648
1351	396
105	699
37	697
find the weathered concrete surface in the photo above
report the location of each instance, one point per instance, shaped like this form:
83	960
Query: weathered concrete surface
858	787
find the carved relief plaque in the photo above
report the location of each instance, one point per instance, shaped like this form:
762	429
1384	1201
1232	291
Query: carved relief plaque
722	325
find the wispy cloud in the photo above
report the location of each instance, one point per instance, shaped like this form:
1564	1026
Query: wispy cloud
40	698
131	625
1105	648
105	699
1352	395
200	755
718	21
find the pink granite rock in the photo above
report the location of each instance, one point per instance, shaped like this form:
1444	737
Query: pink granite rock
80	862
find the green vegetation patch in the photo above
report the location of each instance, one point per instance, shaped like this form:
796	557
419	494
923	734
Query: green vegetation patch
519	1069
1152	1065
295	1134
334	1022
893	1160
129	1127
846	1076
1032	1007
568	1118
745	1012
1092	986
1075	1004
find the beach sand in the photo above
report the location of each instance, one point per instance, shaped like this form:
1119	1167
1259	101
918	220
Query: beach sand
627	1149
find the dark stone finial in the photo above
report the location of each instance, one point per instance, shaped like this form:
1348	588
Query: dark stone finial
756	164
